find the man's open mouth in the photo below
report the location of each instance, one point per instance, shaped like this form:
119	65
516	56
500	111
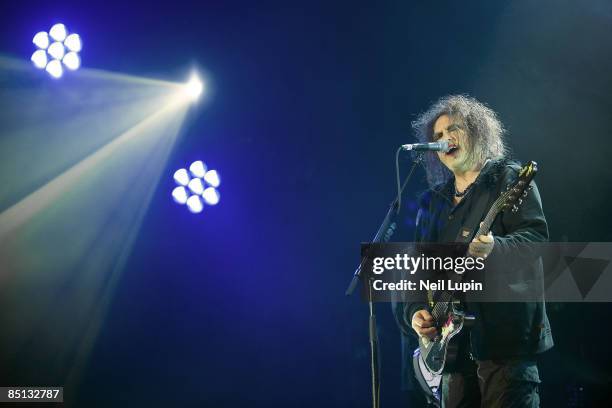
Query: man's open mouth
452	149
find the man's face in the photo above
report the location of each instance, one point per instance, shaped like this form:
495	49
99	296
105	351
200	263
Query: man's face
451	130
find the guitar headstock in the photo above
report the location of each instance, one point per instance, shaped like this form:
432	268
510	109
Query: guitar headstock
513	197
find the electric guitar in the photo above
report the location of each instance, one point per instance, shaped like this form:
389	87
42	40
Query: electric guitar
440	352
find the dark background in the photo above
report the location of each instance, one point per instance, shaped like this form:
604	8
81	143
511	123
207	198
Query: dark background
244	306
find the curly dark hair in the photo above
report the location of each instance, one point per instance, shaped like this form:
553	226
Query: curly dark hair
485	133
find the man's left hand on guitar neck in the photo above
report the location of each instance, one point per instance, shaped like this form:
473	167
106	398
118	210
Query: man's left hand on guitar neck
481	246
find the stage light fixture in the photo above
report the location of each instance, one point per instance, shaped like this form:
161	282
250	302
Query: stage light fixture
39	58
54	68
212	178
196	187
73	42
55	48
72	60
41	40
181	177
198	169
58	32
180	195
194	204
194	87
211	196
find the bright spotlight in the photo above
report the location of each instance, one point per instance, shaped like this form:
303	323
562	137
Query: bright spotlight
196	187
57	47
72	60
198	169
194	203
41	40
180	195
211	196
181	177
194	87
58	32
56	50
54	68
212	178
39	58
73	42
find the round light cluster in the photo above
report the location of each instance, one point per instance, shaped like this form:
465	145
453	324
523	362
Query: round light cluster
196	187
57	49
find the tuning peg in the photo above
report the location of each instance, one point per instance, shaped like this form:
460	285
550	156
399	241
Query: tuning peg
520	201
514	208
525	193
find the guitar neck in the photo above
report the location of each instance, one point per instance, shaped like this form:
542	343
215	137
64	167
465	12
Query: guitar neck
495	209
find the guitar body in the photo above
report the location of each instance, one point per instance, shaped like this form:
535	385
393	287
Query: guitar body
431	384
440	353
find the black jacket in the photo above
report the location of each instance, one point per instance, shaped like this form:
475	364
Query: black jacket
501	330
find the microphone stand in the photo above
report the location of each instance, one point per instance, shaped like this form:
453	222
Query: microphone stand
386	229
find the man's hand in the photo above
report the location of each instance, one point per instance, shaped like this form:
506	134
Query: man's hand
481	246
422	324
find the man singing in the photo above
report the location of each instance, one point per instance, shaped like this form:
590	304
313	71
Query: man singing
497	366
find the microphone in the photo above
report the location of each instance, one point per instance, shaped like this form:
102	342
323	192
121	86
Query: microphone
427	147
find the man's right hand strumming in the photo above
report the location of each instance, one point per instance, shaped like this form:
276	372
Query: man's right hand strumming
422	324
